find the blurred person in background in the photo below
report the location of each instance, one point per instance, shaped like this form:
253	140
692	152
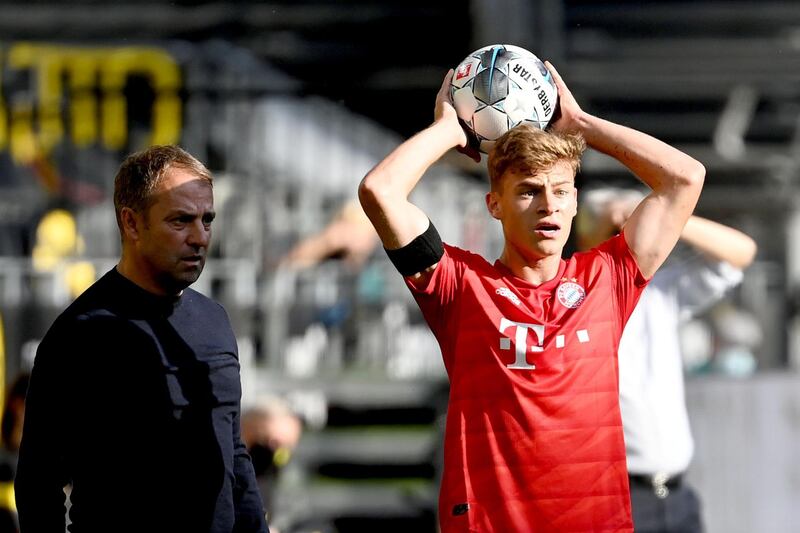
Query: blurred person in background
135	389
348	236
271	432
59	247
658	439
533	439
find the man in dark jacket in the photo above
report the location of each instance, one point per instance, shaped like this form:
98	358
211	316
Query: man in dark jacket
135	390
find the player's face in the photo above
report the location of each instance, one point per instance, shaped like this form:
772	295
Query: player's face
176	231
536	210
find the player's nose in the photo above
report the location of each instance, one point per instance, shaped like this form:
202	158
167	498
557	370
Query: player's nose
548	203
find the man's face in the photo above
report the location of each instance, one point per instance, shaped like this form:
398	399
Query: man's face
175	231
536	210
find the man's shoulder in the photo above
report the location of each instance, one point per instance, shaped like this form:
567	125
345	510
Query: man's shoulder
597	257
197	306
615	246
199	300
614	253
599	267
97	299
468	258
76	324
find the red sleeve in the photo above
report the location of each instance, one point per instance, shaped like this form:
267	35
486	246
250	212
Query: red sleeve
438	297
628	281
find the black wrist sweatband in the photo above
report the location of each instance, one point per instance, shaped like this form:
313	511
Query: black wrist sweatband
425	250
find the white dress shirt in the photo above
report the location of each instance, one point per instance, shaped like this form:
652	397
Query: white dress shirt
658	438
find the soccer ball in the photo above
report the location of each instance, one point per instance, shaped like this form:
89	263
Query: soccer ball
501	86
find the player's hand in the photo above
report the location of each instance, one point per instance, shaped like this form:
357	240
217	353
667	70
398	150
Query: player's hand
568	113
444	112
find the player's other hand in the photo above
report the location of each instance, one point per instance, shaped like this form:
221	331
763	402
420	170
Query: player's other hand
445	113
568	114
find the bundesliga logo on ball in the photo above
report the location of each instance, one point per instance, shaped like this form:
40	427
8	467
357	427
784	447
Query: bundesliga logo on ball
499	87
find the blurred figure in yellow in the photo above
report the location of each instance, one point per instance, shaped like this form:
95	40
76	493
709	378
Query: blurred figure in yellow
59	246
57	238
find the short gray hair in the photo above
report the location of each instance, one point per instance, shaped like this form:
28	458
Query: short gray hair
141	172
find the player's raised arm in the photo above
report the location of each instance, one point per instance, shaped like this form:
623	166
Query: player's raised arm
675	178
385	189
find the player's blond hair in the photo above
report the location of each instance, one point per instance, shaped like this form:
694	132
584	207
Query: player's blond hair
530	150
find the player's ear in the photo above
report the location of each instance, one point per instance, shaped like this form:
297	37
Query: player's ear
131	223
574	201
493	204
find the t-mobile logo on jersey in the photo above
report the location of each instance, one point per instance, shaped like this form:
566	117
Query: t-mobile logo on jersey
521	341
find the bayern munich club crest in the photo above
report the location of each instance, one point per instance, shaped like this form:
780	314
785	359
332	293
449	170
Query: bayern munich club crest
570	294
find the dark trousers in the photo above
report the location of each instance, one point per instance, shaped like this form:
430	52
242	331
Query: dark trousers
679	512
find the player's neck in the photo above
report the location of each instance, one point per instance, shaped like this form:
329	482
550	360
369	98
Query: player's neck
536	271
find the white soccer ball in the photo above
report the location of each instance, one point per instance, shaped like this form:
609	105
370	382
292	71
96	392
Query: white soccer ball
499	87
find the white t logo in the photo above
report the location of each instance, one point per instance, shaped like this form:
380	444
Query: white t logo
520	340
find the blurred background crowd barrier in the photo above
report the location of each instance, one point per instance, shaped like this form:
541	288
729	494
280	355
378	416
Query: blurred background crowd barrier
290	103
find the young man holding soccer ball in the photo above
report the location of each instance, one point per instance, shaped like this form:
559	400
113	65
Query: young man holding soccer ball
534	437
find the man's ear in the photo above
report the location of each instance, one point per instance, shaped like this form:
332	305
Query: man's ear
575	202
131	223
493	204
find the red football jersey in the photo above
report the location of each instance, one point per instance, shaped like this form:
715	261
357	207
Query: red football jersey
534	437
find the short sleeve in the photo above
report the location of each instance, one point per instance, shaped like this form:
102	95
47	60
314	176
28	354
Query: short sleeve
439	295
628	280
